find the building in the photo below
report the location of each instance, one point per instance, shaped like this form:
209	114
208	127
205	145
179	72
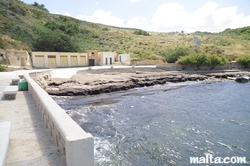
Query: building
125	59
59	59
106	58
93	57
196	41
15	57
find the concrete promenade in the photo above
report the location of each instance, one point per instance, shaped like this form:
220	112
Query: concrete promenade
30	141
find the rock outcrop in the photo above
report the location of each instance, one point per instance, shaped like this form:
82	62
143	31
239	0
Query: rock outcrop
242	78
97	83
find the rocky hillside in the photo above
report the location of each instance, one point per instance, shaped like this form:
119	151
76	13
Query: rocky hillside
28	27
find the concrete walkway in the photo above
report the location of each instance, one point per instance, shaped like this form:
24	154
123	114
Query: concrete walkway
30	141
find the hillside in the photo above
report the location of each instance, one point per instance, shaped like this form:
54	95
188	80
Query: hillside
24	26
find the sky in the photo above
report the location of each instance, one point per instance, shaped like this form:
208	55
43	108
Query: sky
157	15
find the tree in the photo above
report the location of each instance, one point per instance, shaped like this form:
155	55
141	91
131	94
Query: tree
214	60
171	56
40	6
55	42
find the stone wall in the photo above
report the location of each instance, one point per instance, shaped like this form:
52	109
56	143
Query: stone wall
16	57
73	141
177	67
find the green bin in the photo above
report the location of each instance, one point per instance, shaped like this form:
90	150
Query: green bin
22	85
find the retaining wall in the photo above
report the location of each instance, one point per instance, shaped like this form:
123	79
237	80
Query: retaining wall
178	67
73	141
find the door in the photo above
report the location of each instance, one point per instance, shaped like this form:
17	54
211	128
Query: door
22	62
73	60
120	58
39	59
64	60
83	61
91	62
111	61
52	61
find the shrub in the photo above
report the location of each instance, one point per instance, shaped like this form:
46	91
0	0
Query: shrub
141	32
171	56
193	60
153	57
2	68
244	60
105	29
201	60
214	60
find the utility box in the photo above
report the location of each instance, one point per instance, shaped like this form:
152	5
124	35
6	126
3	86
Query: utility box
22	86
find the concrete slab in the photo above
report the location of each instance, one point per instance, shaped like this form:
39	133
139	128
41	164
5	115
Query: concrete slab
10	90
30	141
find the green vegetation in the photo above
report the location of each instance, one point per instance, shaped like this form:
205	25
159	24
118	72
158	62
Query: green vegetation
141	32
245	31
32	27
214	60
40	6
172	55
2	68
244	60
201	59
193	60
55	43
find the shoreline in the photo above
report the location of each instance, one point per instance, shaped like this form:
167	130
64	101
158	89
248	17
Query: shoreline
94	82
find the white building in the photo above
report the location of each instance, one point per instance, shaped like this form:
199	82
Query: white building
106	58
124	59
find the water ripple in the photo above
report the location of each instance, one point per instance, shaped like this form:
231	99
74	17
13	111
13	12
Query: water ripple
165	124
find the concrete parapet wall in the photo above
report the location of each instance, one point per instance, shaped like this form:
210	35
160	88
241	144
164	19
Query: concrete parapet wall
73	141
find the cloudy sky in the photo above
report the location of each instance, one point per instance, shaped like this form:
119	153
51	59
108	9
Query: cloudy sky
157	15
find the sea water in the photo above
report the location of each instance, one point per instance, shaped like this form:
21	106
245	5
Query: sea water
166	124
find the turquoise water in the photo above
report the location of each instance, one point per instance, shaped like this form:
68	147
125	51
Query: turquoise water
166	124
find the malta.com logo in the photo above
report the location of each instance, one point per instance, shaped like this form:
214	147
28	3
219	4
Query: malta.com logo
210	159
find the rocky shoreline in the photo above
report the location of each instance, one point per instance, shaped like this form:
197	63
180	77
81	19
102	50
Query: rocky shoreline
105	81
